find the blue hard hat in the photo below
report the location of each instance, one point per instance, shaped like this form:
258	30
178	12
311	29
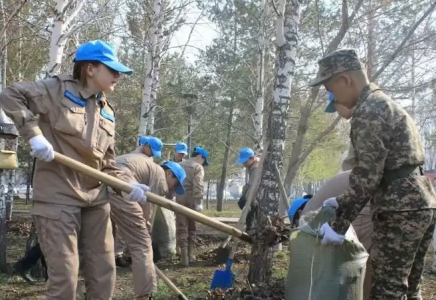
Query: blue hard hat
179	173
181	148
295	206
331	106
244	155
154	143
203	153
102	52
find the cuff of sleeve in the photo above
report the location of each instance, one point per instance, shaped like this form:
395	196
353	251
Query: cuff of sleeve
30	130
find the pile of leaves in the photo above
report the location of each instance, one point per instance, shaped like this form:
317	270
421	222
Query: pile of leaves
272	291
220	255
19	227
275	232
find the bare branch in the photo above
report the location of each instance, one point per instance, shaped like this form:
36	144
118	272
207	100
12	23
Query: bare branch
74	13
14	13
275	8
192	30
404	41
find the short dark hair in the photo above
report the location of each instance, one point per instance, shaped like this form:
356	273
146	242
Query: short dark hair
308	196
195	153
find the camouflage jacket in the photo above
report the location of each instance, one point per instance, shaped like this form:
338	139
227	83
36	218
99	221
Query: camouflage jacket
385	138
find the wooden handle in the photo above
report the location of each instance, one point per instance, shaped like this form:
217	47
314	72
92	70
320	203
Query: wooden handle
169	283
284	197
153	198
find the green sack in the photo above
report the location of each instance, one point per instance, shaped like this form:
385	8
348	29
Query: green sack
321	272
164	233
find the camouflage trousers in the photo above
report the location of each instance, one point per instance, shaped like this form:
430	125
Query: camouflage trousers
400	243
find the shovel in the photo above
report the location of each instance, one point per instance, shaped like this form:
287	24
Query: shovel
153	198
224	279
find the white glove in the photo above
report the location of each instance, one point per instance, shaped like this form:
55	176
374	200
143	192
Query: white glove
199	207
330	202
330	237
41	148
138	192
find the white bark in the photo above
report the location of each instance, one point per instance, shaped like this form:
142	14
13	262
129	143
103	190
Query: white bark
260	89
60	32
157	58
57	43
148	81
268	195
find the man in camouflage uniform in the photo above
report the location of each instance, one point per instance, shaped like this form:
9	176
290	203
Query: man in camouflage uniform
388	170
250	162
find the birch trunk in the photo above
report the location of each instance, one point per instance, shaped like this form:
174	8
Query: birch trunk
57	42
148	81
260	89
157	57
268	195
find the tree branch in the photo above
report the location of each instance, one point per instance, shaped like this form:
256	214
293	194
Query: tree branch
74	13
404	41
14	13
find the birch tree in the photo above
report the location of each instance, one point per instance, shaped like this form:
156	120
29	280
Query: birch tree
260	88
146	104
268	195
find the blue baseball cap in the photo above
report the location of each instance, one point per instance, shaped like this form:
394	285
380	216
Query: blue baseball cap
295	206
244	155
179	173
203	153
154	143
331	106
181	148
102	52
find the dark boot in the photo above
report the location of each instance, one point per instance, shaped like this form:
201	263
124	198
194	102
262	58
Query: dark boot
23	266
21	269
121	262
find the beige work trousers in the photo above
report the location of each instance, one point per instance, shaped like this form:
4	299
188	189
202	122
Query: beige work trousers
362	225
62	231
132	227
186	229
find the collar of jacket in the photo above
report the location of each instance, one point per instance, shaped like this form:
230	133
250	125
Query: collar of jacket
367	90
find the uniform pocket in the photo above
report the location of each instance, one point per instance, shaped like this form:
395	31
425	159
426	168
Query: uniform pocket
71	119
106	132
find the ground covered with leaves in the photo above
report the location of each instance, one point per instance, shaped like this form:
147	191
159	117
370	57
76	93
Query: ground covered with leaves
193	281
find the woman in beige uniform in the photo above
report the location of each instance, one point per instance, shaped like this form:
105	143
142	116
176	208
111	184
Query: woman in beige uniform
70	115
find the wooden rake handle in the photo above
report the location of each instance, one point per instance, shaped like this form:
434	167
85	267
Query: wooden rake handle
153	198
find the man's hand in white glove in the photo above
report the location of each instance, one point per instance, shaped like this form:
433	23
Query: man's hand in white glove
138	192
330	202
199	207
330	237
41	148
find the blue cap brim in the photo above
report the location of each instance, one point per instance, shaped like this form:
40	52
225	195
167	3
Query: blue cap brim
156	153
330	108
117	66
295	205
182	152
180	190
242	160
